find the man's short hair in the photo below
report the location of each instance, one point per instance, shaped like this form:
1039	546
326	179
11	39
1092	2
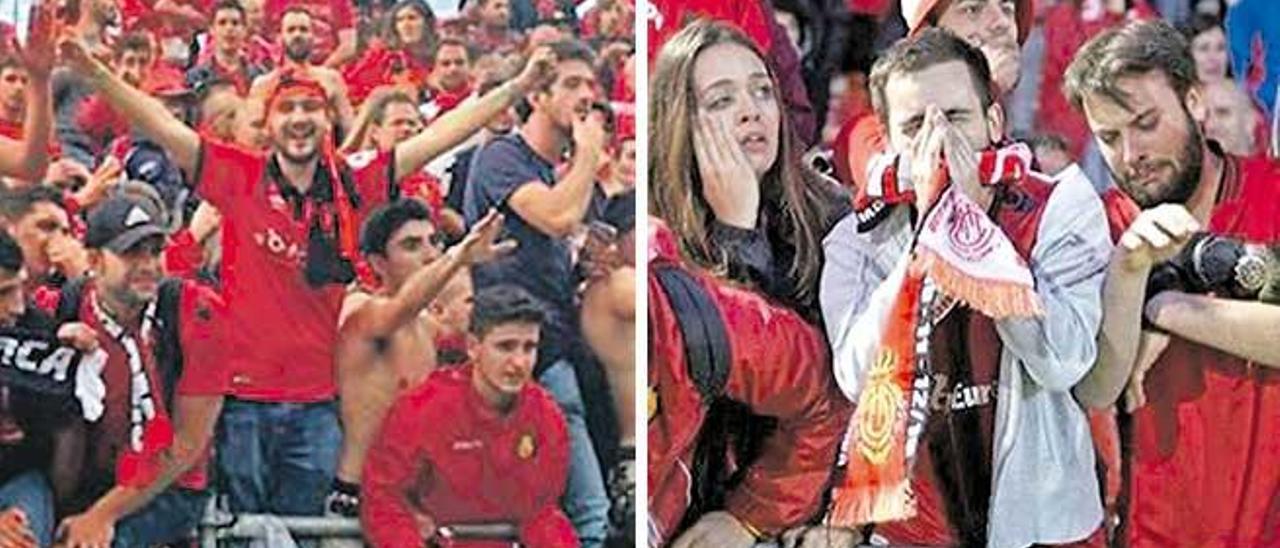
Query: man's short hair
294	8
1131	50
378	109
504	304
386	220
10	254
16	204
134	41
228	5
10	61
573	50
933	46
454	42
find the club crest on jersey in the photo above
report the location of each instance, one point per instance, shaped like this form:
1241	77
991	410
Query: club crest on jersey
525	447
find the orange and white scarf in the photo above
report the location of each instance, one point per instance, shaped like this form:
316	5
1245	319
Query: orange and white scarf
960	255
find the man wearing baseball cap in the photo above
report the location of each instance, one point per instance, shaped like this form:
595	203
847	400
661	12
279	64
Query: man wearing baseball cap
145	481
996	27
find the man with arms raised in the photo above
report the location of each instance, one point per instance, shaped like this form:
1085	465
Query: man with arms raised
386	340
298	40
290	222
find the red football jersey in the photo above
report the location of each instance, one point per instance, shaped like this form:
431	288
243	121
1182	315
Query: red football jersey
1204	455
283	330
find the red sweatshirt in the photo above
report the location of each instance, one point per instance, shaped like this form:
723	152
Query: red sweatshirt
445	457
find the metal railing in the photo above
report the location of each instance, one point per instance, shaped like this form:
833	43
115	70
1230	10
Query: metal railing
218	524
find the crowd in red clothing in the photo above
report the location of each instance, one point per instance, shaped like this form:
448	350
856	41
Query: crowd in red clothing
237	148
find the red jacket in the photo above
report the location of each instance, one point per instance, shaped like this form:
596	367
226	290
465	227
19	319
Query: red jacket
444	457
778	366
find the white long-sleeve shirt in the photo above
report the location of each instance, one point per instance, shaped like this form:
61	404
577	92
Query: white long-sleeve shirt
1044	485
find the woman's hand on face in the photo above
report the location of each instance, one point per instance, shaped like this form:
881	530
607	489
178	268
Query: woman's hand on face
729	183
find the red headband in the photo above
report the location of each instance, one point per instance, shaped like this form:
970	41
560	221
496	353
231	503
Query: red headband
291	83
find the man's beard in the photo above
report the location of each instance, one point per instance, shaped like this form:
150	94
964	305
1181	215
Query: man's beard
298	52
297	159
1185	180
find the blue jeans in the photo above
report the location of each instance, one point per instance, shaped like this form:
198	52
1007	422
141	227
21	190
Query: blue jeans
585	500
30	491
278	458
171	517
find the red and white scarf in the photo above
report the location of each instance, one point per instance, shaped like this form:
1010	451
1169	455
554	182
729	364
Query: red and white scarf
150	432
959	255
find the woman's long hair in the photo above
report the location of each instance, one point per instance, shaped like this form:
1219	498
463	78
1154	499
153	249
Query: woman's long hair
795	205
423	51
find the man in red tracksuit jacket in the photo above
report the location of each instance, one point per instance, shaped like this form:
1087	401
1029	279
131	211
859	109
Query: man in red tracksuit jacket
474	444
749	351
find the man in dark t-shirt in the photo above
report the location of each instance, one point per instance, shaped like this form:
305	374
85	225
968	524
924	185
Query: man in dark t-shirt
39	418
517	174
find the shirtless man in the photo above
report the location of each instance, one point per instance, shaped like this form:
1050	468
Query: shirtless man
386	337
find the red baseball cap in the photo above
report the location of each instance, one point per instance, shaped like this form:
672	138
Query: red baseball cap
916	12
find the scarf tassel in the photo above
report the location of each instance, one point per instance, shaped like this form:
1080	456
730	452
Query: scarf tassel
874	503
993	298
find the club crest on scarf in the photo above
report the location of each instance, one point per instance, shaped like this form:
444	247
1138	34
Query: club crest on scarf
960	255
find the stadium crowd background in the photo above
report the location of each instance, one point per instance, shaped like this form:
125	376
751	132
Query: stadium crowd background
389	71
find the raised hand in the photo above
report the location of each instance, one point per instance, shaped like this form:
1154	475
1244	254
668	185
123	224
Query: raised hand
480	244
538	71
75	53
39	53
729	183
100	182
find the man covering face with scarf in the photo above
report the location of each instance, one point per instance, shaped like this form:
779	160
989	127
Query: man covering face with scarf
961	312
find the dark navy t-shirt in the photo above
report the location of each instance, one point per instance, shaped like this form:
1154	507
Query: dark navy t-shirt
542	264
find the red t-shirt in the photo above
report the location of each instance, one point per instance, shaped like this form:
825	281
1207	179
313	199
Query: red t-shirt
328	18
282	329
1204	455
203	374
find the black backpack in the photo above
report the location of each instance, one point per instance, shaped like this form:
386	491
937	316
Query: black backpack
167	349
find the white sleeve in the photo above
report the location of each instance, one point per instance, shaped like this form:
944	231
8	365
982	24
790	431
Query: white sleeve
1068	263
855	294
